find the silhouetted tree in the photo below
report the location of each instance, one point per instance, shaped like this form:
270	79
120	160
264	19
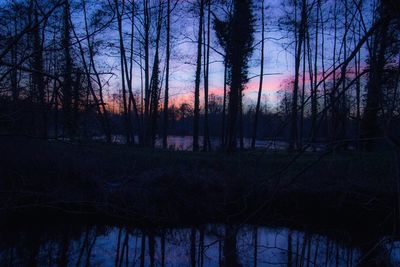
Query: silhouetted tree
385	45
196	119
235	34
257	111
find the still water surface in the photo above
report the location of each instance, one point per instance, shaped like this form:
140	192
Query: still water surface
208	245
177	142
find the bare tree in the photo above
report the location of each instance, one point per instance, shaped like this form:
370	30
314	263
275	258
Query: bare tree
257	111
166	94
206	136
300	32
196	119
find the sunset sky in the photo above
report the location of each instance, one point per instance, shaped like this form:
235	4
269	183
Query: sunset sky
184	35
278	58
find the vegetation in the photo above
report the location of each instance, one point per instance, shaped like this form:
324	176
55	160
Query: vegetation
139	184
57	71
92	91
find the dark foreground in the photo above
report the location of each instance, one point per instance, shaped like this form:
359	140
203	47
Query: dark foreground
127	191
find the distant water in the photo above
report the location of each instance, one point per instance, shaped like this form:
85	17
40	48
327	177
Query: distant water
177	142
208	245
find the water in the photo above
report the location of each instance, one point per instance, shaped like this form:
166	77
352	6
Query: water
177	142
208	245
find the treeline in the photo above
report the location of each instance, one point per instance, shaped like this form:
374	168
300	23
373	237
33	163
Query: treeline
81	68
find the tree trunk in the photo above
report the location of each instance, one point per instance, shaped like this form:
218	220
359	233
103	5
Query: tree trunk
165	129
206	137
38	79
224	106
98	101
128	129
196	118
302	101
155	82
147	90
293	144
256	115
370	128
69	124
314	93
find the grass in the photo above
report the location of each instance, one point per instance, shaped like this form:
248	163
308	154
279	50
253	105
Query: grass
162	186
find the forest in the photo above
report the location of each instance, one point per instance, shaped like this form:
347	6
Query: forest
200	133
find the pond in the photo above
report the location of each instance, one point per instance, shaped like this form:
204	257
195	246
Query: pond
68	244
177	142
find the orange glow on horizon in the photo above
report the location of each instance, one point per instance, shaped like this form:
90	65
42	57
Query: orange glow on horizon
270	85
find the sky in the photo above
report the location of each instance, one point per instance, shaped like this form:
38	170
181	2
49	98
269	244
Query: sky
184	32
276	61
278	58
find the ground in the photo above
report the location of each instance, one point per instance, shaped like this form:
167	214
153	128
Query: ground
349	190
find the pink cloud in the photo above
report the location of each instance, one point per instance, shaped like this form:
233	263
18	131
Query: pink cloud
271	84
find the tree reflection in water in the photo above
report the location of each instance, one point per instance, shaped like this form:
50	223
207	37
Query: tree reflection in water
207	245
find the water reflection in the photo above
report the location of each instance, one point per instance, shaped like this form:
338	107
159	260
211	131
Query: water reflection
209	245
177	142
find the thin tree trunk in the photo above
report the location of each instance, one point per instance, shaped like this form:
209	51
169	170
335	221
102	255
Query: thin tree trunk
155	82
69	124
224	106
343	109
333	91
128	131
196	118
311	75
129	76
206	137
256	115
314	93
166	94
302	101
241	135
99	103
357	66
325	111
293	144
38	79
14	73
147	90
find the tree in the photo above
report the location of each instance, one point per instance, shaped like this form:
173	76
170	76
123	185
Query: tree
125	80
38	82
89	66
155	82
206	136
383	43
147	90
235	34
196	119
69	123
257	111
166	94
300	32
